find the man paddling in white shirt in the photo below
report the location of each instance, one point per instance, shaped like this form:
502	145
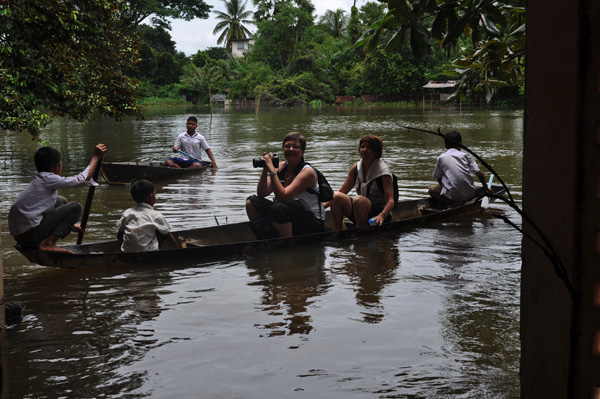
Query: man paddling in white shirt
39	216
190	144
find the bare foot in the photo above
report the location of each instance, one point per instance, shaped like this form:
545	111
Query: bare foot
77	228
54	248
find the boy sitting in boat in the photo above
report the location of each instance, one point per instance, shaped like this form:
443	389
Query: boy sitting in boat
191	145
141	227
453	171
39	216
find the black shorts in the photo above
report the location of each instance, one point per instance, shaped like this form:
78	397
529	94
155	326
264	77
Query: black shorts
375	210
303	221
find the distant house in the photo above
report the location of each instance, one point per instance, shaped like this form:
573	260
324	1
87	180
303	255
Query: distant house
218	98
239	47
439	90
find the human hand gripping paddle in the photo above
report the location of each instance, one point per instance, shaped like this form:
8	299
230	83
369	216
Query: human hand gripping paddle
485	202
90	196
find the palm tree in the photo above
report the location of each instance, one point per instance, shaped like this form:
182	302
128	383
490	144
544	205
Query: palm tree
335	21
231	21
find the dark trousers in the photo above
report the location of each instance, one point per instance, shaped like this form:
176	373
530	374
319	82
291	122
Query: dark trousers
59	221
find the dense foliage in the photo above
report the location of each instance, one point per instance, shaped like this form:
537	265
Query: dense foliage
494	57
60	57
158	11
73	58
298	58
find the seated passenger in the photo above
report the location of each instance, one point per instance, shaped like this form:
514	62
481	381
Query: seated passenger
141	228
296	208
453	171
374	186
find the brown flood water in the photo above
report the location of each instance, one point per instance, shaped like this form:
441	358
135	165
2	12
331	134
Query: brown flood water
426	313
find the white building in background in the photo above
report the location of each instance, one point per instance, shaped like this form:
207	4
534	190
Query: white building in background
239	47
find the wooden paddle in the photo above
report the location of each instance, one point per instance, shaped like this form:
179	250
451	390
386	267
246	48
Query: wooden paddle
189	156
486	200
88	202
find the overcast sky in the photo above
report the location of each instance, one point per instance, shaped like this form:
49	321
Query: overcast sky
197	35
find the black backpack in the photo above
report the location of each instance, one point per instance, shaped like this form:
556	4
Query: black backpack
325	191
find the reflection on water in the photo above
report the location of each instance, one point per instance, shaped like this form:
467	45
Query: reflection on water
290	281
422	313
371	268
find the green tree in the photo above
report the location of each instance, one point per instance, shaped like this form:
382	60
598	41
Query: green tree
248	79
277	38
496	29
159	11
195	84
232	22
168	70
58	58
335	22
158	38
267	9
386	73
371	12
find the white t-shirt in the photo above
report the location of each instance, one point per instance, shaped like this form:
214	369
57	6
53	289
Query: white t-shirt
139	226
193	145
39	197
456	169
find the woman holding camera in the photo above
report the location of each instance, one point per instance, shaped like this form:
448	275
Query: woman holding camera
374	186
296	209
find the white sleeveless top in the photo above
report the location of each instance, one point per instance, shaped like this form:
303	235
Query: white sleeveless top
310	201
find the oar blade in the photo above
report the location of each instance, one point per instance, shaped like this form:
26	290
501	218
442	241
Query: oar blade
485	202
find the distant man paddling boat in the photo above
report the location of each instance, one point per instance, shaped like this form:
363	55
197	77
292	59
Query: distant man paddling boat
192	144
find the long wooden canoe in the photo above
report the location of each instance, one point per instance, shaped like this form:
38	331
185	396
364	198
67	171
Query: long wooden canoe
237	238
128	172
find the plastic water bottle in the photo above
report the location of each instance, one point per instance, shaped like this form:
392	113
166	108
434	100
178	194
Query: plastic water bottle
372	222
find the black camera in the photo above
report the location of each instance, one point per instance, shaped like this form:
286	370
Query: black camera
260	163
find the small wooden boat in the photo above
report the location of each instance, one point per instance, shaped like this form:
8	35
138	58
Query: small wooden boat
228	240
128	172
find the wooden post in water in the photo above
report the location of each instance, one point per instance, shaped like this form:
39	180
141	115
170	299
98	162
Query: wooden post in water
259	96
210	102
3	353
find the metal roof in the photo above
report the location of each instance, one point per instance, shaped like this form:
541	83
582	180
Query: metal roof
440	85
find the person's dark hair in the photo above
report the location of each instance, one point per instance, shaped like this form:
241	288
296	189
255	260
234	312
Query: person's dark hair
141	189
192	118
45	158
297	137
452	139
374	143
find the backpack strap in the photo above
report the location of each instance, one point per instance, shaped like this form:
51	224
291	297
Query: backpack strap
301	165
